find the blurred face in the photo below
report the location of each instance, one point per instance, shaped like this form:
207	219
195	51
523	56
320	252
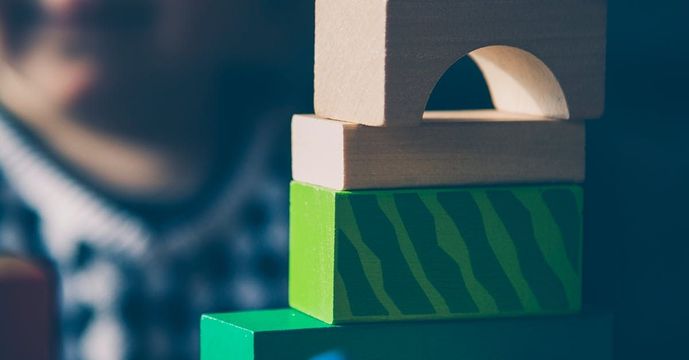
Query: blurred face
100	54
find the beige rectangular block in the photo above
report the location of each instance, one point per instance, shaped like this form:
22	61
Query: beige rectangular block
449	148
377	61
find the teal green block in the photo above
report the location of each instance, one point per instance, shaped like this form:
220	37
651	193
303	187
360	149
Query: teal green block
429	254
291	335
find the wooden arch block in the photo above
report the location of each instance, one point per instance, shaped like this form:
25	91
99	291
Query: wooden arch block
378	61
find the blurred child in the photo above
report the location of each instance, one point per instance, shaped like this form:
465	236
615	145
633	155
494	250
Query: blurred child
154	181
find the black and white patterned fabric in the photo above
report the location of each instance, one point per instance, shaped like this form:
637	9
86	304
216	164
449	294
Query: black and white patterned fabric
131	290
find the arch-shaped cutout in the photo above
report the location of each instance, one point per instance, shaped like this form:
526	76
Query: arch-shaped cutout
519	83
462	87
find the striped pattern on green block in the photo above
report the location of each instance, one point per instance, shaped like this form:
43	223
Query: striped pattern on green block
436	253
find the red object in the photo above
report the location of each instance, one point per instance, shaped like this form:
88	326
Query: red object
26	311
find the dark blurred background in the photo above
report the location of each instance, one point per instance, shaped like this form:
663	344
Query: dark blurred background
637	189
637	192
638	171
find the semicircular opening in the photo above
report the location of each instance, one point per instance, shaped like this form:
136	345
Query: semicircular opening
519	86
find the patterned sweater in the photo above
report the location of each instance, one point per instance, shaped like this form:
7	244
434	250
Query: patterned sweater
131	289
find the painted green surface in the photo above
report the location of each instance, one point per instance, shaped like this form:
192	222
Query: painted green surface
231	335
291	335
376	255
316	251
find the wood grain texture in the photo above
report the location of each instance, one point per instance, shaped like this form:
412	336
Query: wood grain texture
451	148
377	62
290	335
386	255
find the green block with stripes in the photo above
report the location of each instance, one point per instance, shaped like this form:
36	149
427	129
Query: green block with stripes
422	254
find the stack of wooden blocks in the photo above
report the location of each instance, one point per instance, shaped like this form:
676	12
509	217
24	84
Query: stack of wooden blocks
420	235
